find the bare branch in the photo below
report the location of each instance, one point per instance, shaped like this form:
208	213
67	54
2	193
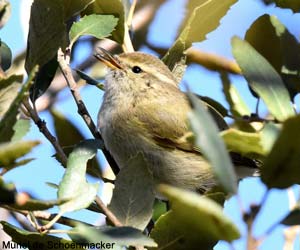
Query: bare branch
43	128
110	216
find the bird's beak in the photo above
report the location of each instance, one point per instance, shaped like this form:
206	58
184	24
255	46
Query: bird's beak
108	59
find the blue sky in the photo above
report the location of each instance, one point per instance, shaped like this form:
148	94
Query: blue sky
32	177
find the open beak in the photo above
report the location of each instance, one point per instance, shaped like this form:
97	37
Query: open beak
108	59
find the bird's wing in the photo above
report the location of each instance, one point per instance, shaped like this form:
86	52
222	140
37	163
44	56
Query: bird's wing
165	119
166	122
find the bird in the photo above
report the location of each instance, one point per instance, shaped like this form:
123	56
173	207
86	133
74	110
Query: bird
145	112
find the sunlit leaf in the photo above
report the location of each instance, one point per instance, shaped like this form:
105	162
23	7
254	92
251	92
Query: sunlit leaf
203	16
212	147
8	91
11	151
237	105
263	79
10	117
99	26
112	7
171	234
243	142
281	168
74	185
201	215
21	128
133	195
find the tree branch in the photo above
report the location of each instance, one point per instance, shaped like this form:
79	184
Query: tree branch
41	124
63	61
109	214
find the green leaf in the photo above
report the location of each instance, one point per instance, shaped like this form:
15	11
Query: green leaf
294	5
237	105
203	16
281	49
5	56
21	128
11	151
72	138
290	50
99	26
281	168
10	117
215	105
293	218
211	146
73	7
200	214
8	91
263	79
7	192
46	35
35	205
5	12
159	208
133	195
263	38
247	144
112	7
43	79
122	236
30	239
62	124
269	134
74	185
171	234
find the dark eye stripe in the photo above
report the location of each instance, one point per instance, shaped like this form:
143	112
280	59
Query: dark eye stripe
136	69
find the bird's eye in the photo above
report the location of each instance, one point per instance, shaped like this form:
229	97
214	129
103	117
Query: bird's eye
136	69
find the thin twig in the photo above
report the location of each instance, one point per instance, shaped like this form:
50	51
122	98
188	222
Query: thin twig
130	13
110	216
63	60
127	43
22	221
42	215
43	128
290	235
